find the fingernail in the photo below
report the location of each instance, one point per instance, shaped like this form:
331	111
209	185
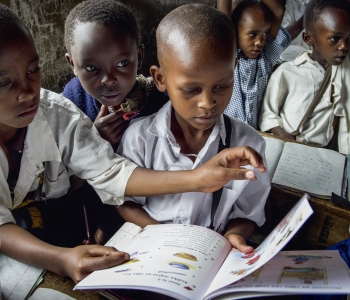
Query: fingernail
249	175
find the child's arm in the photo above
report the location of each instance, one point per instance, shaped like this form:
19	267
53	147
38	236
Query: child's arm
277	9
225	6
214	174
282	133
295	28
238	232
76	262
133	212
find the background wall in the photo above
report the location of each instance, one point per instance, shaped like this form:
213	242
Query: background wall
45	18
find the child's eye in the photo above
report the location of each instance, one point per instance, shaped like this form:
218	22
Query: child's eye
90	68
334	39
221	87
252	35
34	71
123	63
191	91
4	84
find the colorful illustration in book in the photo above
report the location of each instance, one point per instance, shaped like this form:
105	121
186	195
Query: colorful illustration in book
248	255
165	272
253	260
181	265
131	261
305	275
300	259
186	256
238	272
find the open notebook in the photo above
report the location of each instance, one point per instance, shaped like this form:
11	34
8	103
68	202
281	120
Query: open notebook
303	168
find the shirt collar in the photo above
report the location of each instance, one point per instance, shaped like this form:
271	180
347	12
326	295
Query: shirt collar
160	126
305	57
39	133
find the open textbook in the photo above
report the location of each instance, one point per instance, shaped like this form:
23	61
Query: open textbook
303	168
192	262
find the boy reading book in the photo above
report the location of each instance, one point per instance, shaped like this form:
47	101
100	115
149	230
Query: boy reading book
54	140
196	52
296	86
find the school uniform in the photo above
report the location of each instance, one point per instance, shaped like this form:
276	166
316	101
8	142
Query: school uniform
61	141
289	93
150	143
251	77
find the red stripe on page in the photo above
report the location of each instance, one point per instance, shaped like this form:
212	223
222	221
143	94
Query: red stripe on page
17	283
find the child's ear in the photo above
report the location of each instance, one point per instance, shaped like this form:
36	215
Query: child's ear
308	39
158	77
70	62
140	56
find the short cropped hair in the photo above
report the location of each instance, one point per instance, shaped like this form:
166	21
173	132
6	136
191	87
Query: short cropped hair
243	5
315	8
197	23
102	12
9	20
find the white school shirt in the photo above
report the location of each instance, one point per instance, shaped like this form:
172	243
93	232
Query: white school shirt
150	143
288	95
66	140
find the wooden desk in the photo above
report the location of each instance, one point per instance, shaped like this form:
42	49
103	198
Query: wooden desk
65	285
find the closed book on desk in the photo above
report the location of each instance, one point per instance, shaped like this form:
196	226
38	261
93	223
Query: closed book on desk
303	168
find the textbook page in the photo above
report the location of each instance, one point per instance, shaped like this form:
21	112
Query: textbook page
274	148
314	170
294	272
173	259
238	265
17	278
125	234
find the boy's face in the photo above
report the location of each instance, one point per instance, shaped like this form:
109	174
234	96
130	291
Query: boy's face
330	37
19	80
199	82
252	31
105	60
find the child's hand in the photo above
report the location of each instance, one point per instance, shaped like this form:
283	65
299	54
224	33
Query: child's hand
282	133
239	243
82	260
226	166
111	127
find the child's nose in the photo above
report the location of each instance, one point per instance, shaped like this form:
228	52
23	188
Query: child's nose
345	44
109	79
259	41
207	101
27	92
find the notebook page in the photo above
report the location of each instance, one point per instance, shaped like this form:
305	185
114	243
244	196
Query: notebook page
274	148
314	170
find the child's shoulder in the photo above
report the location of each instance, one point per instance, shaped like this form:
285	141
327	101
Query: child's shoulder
58	104
243	134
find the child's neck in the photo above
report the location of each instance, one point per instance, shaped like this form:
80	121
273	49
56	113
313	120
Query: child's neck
7	133
190	139
316	57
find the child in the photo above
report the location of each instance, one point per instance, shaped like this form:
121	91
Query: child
196	49
293	85
54	140
261	40
104	51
